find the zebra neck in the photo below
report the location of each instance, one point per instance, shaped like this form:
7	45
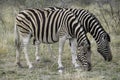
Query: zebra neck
82	39
97	33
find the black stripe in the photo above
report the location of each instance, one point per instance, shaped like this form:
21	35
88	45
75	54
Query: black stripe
90	23
78	31
38	21
48	25
97	36
73	29
52	25
58	21
71	32
29	20
48	12
52	8
87	24
61	19
93	29
80	38
43	23
82	15
23	28
66	20
24	32
24	24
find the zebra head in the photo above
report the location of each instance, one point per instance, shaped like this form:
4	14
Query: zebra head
84	56
104	47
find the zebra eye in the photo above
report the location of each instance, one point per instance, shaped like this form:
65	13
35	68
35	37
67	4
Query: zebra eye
84	53
106	37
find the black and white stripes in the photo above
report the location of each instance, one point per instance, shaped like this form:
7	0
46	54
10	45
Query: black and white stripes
92	25
46	26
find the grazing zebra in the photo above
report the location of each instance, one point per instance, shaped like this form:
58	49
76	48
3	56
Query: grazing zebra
48	27
92	25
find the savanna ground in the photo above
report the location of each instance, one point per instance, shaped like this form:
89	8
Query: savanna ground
46	68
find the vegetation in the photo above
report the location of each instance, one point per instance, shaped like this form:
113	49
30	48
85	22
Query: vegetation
107	11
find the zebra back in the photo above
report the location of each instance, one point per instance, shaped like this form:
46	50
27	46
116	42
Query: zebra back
46	26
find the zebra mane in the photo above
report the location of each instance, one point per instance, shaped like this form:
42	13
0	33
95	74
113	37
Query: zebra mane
107	35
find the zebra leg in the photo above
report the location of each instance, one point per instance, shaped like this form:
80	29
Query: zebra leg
50	51
73	52
37	51
25	50
61	46
17	46
18	57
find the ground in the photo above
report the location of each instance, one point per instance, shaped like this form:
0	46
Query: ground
46	68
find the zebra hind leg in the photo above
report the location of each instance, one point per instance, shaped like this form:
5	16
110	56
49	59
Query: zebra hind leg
25	41
18	51
50	51
17	46
37	51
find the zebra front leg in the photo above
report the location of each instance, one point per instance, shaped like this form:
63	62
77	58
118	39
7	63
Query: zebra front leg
61	46
25	50
73	52
50	51
37	51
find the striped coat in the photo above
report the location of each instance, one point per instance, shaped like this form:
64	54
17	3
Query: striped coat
48	27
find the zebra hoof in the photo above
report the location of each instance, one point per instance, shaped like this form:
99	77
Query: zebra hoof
19	65
60	70
30	66
77	66
37	59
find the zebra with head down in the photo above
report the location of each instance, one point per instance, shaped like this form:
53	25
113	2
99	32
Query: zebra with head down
48	27
92	25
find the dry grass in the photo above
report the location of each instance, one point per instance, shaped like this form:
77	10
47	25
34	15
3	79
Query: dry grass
46	69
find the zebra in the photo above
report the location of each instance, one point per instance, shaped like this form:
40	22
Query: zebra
93	26
45	26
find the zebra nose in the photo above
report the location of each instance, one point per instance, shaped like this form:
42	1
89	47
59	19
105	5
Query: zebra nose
108	58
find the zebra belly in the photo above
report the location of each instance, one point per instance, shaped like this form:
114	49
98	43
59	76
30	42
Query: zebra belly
49	39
